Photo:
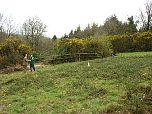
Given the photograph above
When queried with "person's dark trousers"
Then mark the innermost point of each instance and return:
(32, 67)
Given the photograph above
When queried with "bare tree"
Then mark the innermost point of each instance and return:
(32, 30)
(146, 17)
(7, 27)
(2, 22)
(10, 27)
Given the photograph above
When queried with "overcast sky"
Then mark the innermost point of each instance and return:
(61, 16)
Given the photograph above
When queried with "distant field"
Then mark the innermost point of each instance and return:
(120, 84)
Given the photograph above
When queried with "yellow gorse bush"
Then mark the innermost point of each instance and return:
(140, 41)
(12, 51)
(91, 45)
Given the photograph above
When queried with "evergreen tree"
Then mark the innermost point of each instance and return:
(131, 26)
(94, 29)
(112, 25)
(78, 32)
(71, 34)
(54, 37)
(87, 31)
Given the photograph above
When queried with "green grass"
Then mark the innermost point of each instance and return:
(75, 88)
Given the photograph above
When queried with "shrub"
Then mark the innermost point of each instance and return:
(12, 51)
(131, 43)
(98, 45)
(122, 43)
(142, 41)
(24, 49)
(91, 45)
(70, 46)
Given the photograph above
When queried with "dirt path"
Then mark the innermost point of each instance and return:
(37, 65)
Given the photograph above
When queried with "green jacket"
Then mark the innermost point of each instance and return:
(32, 60)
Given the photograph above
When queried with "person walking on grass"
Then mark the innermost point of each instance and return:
(24, 64)
(32, 62)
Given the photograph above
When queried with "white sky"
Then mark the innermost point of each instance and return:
(61, 16)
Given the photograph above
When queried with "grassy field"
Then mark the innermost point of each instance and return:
(120, 84)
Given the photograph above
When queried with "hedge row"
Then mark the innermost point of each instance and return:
(91, 45)
(131, 43)
(71, 50)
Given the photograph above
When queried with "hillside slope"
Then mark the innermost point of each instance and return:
(116, 84)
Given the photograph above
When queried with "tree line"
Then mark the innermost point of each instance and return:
(113, 26)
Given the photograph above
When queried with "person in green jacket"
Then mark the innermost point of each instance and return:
(32, 62)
